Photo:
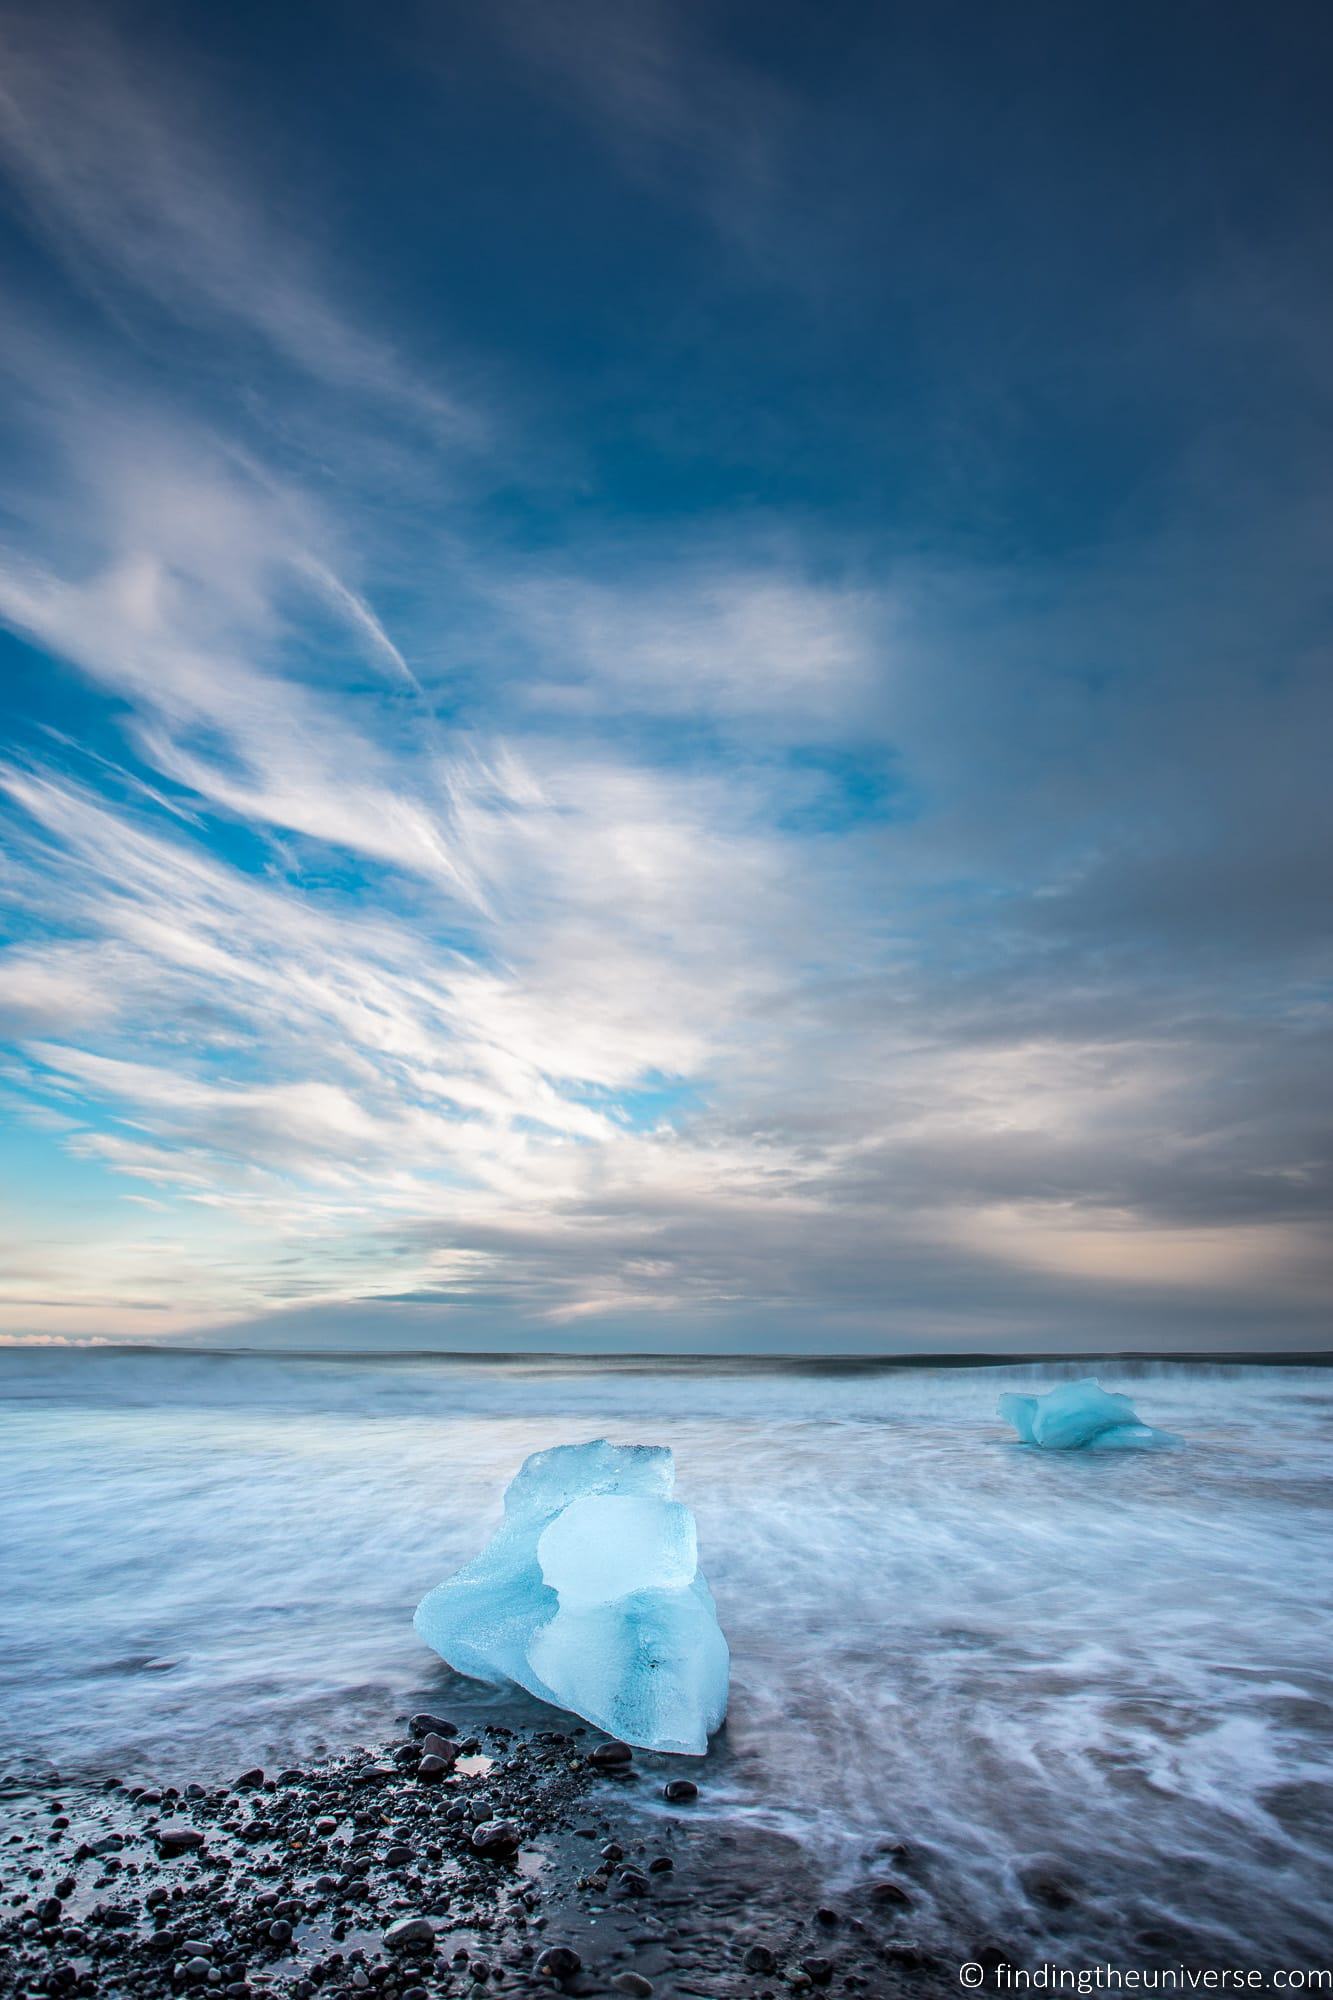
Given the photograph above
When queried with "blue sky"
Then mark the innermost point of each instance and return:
(665, 675)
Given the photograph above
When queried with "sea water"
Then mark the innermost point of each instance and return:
(1097, 1681)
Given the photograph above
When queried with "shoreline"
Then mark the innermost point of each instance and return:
(448, 1861)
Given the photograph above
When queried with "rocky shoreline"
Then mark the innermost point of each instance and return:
(505, 1861)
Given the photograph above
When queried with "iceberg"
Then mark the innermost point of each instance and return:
(1081, 1415)
(589, 1596)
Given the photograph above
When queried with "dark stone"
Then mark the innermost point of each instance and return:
(820, 1970)
(632, 1882)
(249, 1780)
(680, 1791)
(435, 1745)
(890, 1895)
(760, 1959)
(280, 1931)
(431, 1769)
(394, 1857)
(661, 1864)
(1052, 1891)
(824, 1915)
(633, 1983)
(496, 1837)
(175, 1837)
(610, 1756)
(409, 1931)
(559, 1961)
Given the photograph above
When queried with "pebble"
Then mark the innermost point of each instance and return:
(425, 1725)
(175, 1837)
(432, 1769)
(760, 1959)
(435, 1745)
(632, 1882)
(610, 1756)
(680, 1791)
(632, 1982)
(409, 1931)
(496, 1837)
(559, 1961)
(249, 1780)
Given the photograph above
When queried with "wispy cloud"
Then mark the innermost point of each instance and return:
(431, 918)
(128, 168)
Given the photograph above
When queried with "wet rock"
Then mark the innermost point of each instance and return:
(633, 1983)
(559, 1961)
(249, 1781)
(1051, 1890)
(424, 1725)
(175, 1837)
(611, 1756)
(409, 1931)
(679, 1791)
(888, 1895)
(632, 1882)
(280, 1931)
(496, 1837)
(431, 1769)
(759, 1958)
(435, 1745)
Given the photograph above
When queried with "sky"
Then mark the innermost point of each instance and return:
(665, 675)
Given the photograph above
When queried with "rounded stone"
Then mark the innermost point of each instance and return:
(409, 1931)
(496, 1837)
(559, 1961)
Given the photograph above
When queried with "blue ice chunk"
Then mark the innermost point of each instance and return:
(589, 1595)
(1080, 1415)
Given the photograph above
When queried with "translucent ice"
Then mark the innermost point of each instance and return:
(1080, 1414)
(589, 1596)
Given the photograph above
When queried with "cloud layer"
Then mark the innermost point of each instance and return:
(448, 910)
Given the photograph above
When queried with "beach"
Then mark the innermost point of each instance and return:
(988, 1704)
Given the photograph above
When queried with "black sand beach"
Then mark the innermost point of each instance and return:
(443, 1863)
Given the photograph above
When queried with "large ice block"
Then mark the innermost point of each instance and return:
(589, 1595)
(1080, 1415)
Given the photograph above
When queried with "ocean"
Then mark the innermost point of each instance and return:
(1090, 1695)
